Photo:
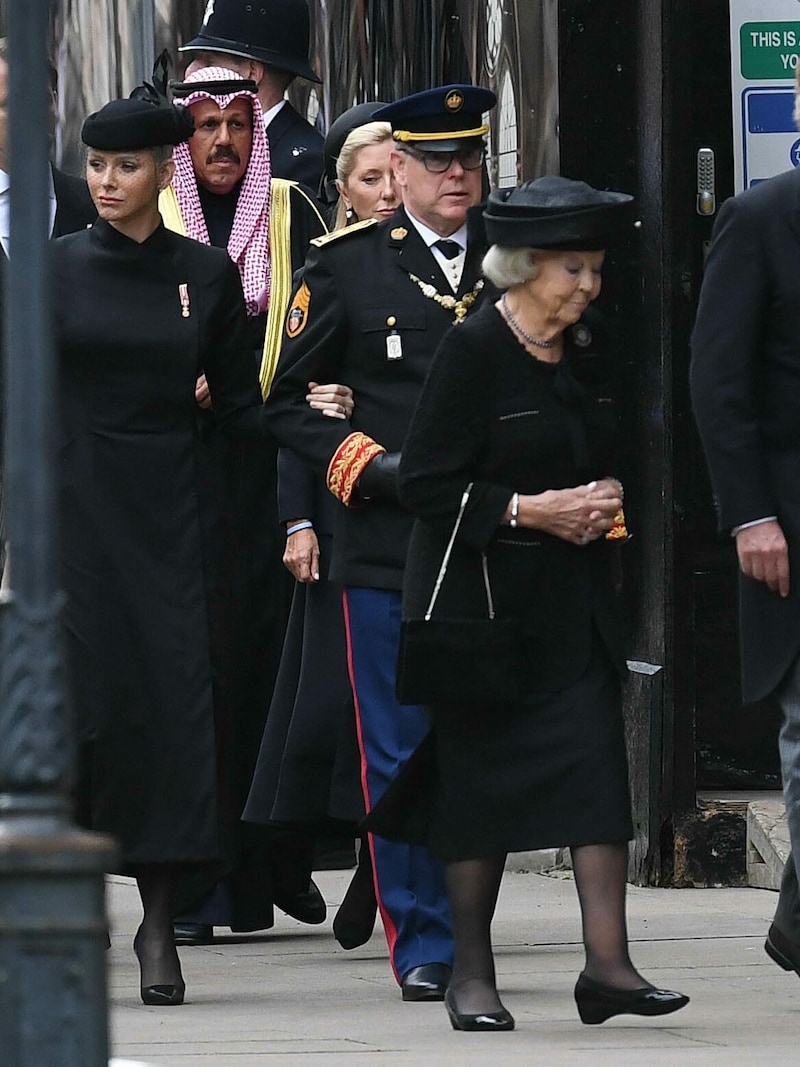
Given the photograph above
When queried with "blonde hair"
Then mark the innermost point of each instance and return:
(371, 133)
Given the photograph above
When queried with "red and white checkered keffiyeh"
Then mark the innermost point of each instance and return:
(248, 244)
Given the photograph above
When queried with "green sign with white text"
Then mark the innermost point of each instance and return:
(769, 49)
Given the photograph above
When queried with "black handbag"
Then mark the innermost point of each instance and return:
(460, 661)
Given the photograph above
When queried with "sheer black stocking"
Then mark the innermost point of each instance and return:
(472, 888)
(154, 944)
(601, 879)
(355, 916)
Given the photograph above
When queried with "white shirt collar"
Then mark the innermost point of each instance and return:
(272, 112)
(430, 236)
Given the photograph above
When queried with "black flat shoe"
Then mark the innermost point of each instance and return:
(307, 907)
(490, 1020)
(597, 1002)
(783, 951)
(426, 982)
(192, 933)
(351, 934)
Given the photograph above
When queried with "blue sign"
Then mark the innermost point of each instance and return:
(768, 132)
(770, 112)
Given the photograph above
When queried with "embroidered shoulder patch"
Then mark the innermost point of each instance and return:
(298, 313)
(345, 231)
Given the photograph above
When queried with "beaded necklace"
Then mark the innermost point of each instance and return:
(450, 303)
(512, 322)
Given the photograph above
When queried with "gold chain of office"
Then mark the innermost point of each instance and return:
(460, 305)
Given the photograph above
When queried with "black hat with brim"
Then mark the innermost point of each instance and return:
(442, 119)
(128, 125)
(276, 32)
(339, 131)
(556, 213)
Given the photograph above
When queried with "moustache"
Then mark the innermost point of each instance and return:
(223, 152)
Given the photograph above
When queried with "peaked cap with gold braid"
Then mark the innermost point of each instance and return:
(443, 119)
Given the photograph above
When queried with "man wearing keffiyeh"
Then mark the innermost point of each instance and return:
(223, 194)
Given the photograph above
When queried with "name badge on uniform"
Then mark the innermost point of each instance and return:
(394, 346)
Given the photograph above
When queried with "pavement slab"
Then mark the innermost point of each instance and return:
(292, 996)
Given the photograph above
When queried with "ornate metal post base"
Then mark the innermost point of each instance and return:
(52, 948)
(52, 915)
(53, 930)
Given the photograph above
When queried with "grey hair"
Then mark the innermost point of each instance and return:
(505, 267)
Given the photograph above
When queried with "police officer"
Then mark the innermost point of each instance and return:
(269, 43)
(374, 302)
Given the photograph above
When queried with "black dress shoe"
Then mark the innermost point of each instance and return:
(192, 933)
(597, 1002)
(160, 996)
(353, 934)
(429, 981)
(488, 1020)
(308, 907)
(163, 996)
(785, 952)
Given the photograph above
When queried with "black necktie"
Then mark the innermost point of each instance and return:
(449, 249)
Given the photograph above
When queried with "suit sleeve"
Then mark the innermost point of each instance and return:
(726, 351)
(446, 440)
(314, 346)
(296, 487)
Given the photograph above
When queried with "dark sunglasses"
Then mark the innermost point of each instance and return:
(439, 162)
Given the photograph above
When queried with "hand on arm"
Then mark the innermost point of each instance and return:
(202, 393)
(335, 401)
(764, 555)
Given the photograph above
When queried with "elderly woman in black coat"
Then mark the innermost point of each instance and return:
(517, 403)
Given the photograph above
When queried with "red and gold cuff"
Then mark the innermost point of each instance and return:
(348, 463)
(618, 531)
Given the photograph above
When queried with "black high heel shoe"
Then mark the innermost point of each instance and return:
(597, 1002)
(159, 995)
(490, 1020)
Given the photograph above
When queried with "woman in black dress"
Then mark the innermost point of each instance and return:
(517, 402)
(139, 313)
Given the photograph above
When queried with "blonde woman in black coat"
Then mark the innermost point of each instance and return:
(517, 403)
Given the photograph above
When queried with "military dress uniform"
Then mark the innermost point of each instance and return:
(361, 314)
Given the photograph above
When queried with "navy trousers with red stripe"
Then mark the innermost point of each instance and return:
(409, 883)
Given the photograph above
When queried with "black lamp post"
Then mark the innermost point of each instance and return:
(52, 914)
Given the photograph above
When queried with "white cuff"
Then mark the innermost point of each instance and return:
(753, 522)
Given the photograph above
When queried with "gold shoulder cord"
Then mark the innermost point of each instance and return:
(280, 248)
(170, 212)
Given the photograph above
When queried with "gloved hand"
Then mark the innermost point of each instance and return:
(378, 480)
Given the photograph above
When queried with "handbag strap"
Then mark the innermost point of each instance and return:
(446, 560)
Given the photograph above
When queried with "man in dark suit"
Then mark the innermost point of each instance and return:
(267, 42)
(374, 301)
(71, 207)
(745, 380)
